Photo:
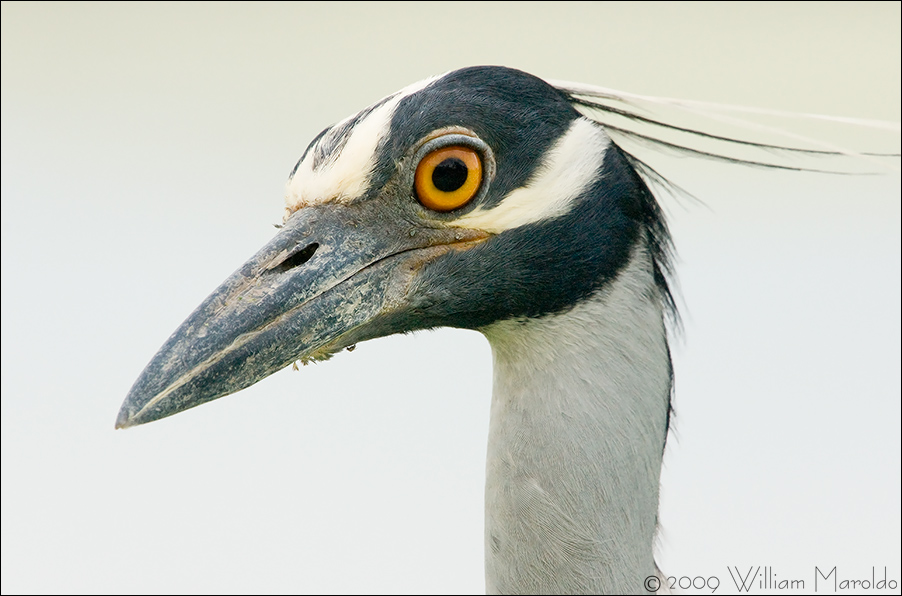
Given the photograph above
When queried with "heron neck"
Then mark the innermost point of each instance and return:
(578, 421)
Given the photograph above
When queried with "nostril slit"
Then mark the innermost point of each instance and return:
(299, 257)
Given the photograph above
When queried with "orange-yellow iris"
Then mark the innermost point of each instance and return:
(448, 178)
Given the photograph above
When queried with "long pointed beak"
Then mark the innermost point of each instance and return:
(331, 271)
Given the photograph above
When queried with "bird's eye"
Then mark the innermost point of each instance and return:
(448, 178)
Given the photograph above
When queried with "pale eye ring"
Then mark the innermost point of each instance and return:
(451, 171)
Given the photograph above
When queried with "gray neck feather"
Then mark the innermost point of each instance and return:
(578, 421)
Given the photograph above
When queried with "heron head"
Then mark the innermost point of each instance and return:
(474, 197)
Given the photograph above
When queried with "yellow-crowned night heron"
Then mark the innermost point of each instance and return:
(481, 199)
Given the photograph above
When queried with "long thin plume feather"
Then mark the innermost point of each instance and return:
(634, 117)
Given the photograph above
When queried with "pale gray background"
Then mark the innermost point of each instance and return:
(144, 152)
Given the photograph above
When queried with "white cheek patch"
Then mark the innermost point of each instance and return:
(570, 166)
(346, 175)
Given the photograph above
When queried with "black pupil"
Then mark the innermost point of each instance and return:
(449, 175)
